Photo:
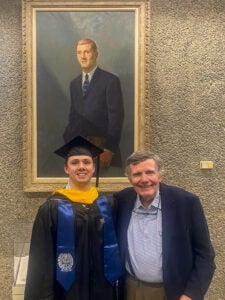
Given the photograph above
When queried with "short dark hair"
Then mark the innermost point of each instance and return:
(140, 156)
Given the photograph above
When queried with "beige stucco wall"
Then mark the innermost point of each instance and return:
(187, 117)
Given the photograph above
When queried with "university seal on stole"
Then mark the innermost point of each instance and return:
(65, 262)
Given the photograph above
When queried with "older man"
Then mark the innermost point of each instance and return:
(163, 236)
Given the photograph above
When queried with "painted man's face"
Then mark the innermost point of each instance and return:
(86, 57)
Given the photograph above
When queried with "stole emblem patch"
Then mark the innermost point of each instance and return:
(65, 262)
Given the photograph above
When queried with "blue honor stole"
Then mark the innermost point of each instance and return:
(65, 247)
(112, 265)
(65, 252)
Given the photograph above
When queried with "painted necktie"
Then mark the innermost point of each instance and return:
(86, 84)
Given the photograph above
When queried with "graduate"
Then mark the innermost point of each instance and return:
(73, 252)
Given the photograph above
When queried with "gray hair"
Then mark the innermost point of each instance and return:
(140, 156)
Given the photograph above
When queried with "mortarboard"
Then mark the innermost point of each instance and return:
(81, 146)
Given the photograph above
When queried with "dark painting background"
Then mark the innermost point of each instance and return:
(56, 37)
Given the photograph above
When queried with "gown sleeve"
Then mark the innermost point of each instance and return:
(41, 270)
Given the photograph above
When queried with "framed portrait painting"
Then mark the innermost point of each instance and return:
(51, 30)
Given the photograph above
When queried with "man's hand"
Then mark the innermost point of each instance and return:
(184, 297)
(105, 159)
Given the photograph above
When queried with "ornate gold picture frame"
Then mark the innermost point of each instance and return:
(50, 30)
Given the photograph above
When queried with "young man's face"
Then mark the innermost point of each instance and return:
(86, 57)
(80, 169)
(145, 179)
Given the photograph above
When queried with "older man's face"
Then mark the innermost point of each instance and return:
(145, 178)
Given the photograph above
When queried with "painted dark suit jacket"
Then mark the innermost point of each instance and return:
(187, 253)
(100, 112)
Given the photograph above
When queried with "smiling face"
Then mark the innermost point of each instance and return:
(145, 178)
(80, 169)
(87, 56)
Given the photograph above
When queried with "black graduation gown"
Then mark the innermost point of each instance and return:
(90, 282)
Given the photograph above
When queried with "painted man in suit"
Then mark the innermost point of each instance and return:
(96, 111)
(163, 236)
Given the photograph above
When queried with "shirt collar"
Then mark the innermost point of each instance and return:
(90, 74)
(156, 203)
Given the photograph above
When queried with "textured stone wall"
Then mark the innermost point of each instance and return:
(187, 118)
(188, 106)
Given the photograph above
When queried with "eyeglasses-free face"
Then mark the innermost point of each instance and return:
(80, 169)
(86, 57)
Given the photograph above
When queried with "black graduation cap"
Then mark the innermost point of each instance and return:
(80, 146)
